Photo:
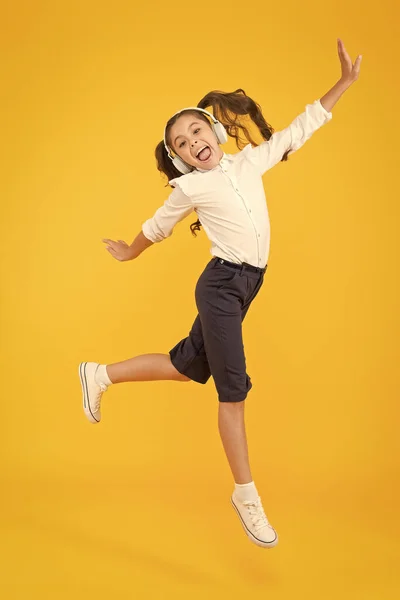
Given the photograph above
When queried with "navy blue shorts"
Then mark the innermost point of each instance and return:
(214, 345)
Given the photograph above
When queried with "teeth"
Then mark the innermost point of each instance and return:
(201, 150)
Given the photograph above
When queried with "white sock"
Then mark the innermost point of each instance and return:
(246, 491)
(101, 375)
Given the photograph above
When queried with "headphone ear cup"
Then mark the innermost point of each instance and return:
(181, 165)
(220, 132)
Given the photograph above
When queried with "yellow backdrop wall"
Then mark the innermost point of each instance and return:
(138, 507)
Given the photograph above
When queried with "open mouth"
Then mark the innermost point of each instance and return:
(204, 155)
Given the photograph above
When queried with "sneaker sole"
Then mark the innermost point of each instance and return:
(251, 536)
(85, 394)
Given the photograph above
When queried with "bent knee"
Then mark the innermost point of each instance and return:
(183, 378)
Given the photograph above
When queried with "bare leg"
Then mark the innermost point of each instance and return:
(146, 367)
(233, 435)
(153, 367)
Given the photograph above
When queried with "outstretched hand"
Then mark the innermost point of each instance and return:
(119, 250)
(350, 72)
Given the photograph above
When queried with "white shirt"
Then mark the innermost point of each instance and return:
(230, 198)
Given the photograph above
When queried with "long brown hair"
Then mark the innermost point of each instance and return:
(227, 108)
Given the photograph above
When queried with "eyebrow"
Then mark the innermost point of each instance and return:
(191, 125)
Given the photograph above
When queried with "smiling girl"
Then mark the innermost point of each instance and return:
(226, 191)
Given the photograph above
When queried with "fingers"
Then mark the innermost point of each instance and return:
(111, 245)
(345, 55)
(114, 248)
(356, 68)
(342, 51)
(114, 243)
(114, 253)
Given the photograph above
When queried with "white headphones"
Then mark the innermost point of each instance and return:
(217, 128)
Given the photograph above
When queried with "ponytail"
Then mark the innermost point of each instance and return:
(229, 107)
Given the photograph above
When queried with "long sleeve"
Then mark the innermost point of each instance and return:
(175, 209)
(270, 152)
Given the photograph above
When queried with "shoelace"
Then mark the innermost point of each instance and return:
(257, 513)
(103, 388)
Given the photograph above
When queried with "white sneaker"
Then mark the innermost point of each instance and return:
(254, 521)
(91, 390)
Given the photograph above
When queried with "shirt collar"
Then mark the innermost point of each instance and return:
(226, 158)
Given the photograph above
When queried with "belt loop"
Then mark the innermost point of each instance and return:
(242, 269)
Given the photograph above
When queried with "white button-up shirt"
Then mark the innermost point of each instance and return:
(230, 199)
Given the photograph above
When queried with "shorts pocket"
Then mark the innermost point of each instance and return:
(226, 276)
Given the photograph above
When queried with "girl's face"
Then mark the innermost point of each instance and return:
(189, 135)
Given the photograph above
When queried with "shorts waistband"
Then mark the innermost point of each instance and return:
(242, 266)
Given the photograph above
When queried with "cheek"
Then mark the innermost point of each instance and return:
(187, 153)
(211, 140)
(180, 151)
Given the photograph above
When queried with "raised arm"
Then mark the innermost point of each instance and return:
(270, 152)
(350, 74)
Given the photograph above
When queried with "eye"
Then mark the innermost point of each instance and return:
(196, 130)
(181, 144)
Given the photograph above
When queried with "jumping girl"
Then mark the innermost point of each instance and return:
(226, 192)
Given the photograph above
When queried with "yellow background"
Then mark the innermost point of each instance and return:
(138, 506)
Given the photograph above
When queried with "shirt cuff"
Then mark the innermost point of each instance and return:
(325, 112)
(146, 232)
